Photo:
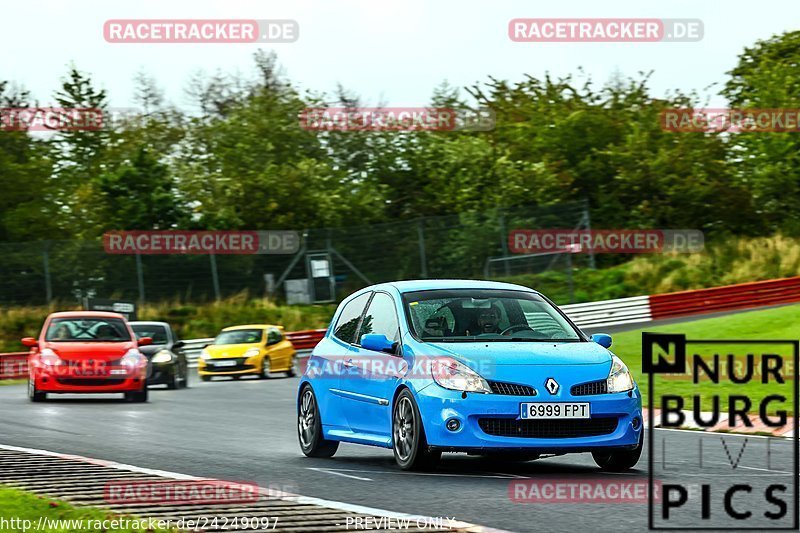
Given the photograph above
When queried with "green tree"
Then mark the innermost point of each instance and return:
(767, 76)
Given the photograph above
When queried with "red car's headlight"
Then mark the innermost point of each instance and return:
(133, 359)
(49, 358)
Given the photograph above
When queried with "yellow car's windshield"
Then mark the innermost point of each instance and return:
(240, 336)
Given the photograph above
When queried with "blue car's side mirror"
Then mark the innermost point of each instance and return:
(376, 342)
(602, 339)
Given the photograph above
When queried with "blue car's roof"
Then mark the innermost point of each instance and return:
(432, 284)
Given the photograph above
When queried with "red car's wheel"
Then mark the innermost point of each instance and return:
(33, 393)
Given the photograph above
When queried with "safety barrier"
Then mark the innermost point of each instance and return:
(592, 315)
(609, 312)
(728, 298)
(307, 339)
(14, 365)
(193, 347)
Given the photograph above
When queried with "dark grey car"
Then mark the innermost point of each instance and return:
(167, 362)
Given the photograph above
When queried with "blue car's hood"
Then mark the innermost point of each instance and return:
(522, 353)
(527, 362)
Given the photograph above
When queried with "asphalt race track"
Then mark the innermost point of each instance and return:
(245, 431)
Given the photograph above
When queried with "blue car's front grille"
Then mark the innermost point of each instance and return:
(548, 428)
(511, 389)
(588, 389)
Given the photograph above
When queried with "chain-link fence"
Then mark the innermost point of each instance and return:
(467, 245)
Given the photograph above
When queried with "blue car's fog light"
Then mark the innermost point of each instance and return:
(635, 422)
(453, 424)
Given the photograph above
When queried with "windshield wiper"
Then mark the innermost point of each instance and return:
(529, 339)
(451, 339)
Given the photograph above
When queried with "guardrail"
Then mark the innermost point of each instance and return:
(609, 312)
(592, 315)
(307, 339)
(728, 298)
(14, 365)
(192, 348)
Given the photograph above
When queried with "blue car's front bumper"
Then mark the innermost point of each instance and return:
(438, 405)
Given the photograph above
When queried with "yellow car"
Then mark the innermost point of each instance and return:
(255, 349)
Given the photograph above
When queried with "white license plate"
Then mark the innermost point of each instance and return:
(554, 410)
(224, 363)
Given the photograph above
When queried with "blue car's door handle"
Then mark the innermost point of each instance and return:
(349, 363)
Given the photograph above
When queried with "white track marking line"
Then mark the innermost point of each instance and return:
(441, 474)
(335, 473)
(331, 504)
(777, 438)
(756, 468)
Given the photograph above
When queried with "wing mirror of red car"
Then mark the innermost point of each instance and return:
(30, 342)
(145, 341)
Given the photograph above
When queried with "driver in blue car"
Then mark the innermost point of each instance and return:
(488, 320)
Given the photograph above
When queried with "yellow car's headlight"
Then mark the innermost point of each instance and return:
(252, 352)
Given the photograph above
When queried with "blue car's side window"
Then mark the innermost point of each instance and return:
(347, 325)
(381, 318)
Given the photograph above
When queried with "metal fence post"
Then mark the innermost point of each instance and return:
(48, 284)
(569, 279)
(423, 260)
(588, 224)
(140, 278)
(215, 276)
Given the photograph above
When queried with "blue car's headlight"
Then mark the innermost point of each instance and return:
(454, 375)
(619, 378)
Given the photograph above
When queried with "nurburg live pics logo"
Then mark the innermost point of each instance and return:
(734, 496)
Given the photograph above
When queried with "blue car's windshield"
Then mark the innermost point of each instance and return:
(485, 315)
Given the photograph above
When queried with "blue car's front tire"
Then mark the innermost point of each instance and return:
(621, 460)
(309, 427)
(411, 450)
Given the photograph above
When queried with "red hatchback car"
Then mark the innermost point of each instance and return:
(86, 352)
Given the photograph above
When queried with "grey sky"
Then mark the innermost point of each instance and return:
(385, 50)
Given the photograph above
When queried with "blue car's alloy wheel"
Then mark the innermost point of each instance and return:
(309, 427)
(411, 450)
(404, 429)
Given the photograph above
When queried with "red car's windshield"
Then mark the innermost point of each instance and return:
(87, 329)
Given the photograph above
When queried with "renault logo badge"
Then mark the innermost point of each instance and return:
(551, 385)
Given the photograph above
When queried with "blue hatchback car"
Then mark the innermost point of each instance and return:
(477, 367)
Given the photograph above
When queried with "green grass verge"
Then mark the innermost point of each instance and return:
(778, 323)
(17, 507)
(12, 381)
(724, 262)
